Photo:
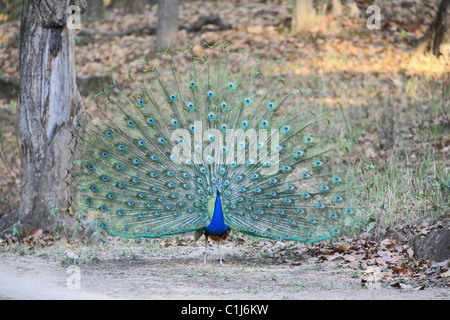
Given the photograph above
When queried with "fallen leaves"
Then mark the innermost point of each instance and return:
(387, 262)
(403, 286)
(445, 274)
(31, 239)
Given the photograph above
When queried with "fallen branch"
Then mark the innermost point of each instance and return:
(199, 23)
(150, 29)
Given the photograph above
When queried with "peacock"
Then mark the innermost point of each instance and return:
(200, 140)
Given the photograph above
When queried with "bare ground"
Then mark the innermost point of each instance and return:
(149, 271)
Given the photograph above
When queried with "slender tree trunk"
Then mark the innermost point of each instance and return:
(432, 39)
(50, 108)
(167, 32)
(337, 8)
(131, 6)
(95, 11)
(303, 15)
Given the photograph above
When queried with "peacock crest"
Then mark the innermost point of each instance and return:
(200, 139)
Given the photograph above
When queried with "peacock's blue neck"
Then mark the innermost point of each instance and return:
(217, 227)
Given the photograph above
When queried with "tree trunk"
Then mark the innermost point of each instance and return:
(432, 39)
(95, 11)
(131, 6)
(337, 8)
(167, 32)
(303, 16)
(136, 6)
(50, 108)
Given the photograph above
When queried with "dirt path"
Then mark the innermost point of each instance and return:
(148, 272)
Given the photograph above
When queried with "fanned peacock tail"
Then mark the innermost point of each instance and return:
(195, 122)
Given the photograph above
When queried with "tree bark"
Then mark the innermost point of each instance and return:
(167, 31)
(50, 108)
(432, 39)
(303, 15)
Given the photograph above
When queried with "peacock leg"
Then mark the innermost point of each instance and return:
(206, 249)
(220, 258)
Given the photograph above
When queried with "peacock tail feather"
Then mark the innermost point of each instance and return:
(195, 122)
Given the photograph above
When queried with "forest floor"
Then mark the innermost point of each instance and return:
(45, 268)
(394, 101)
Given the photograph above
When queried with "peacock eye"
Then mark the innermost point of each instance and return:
(271, 106)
